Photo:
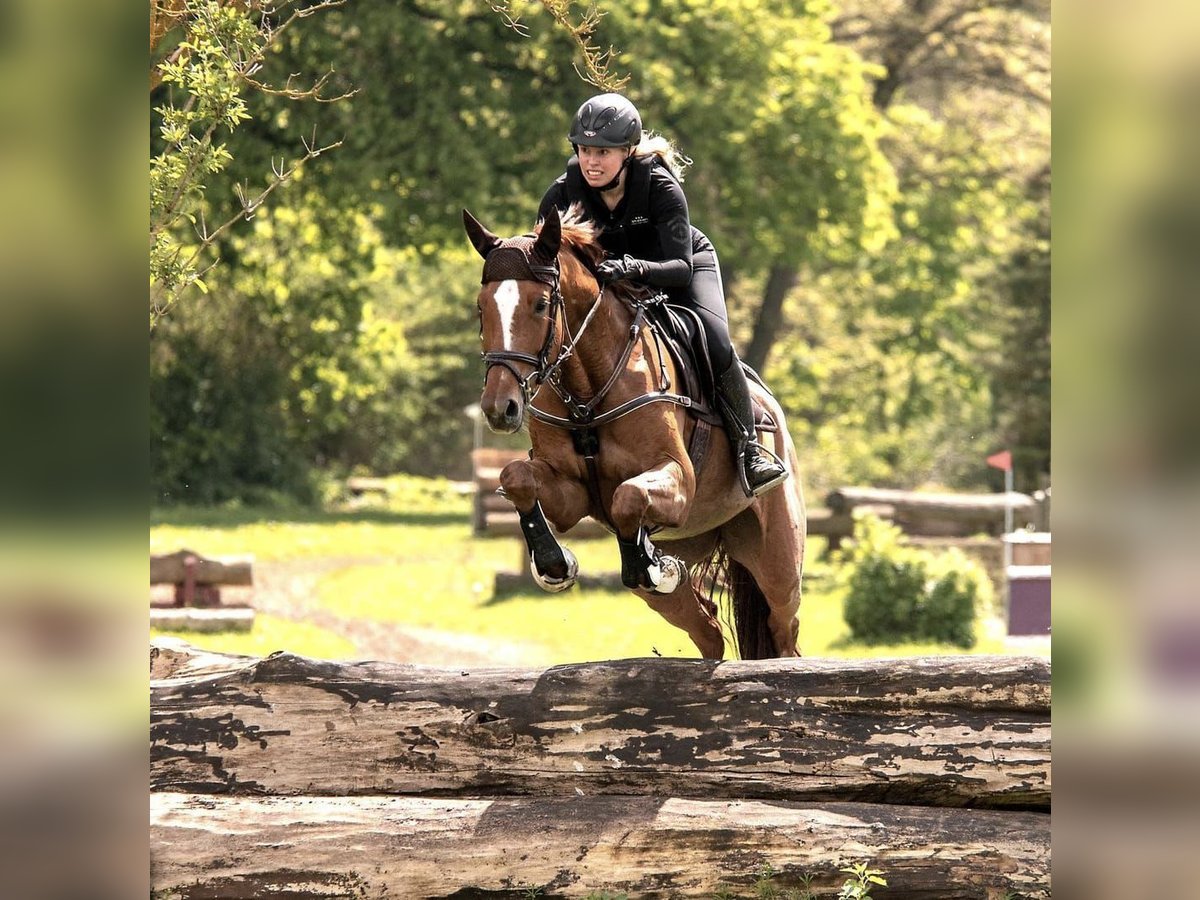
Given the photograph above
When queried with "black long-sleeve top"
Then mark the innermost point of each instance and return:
(651, 222)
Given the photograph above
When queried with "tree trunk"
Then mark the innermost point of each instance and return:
(942, 731)
(770, 315)
(244, 847)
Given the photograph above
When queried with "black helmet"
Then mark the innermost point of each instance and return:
(607, 120)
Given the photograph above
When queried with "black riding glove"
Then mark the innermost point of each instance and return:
(620, 269)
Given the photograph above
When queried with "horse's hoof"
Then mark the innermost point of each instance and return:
(666, 574)
(555, 585)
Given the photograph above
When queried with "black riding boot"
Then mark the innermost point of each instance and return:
(760, 469)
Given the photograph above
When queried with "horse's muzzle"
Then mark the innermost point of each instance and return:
(504, 410)
(504, 416)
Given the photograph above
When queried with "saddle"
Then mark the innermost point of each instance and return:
(682, 334)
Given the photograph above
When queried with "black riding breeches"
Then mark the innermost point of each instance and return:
(706, 295)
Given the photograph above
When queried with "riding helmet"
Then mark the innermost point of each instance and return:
(606, 120)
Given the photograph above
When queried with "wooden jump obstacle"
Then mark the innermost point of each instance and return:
(652, 777)
(196, 604)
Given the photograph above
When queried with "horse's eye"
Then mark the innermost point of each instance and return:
(542, 304)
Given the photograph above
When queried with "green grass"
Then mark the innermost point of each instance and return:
(415, 563)
(573, 626)
(269, 634)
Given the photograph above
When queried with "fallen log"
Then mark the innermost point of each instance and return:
(938, 514)
(966, 731)
(246, 847)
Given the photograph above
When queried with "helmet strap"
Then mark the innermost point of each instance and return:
(604, 188)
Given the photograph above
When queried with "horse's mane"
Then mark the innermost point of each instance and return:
(580, 233)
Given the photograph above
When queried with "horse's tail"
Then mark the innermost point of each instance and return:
(730, 585)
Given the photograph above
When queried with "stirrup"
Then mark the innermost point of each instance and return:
(761, 488)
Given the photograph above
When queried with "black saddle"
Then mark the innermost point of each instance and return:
(682, 333)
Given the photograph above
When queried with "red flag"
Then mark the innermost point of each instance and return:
(1001, 460)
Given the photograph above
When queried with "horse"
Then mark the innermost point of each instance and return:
(581, 366)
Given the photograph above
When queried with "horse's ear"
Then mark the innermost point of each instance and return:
(485, 242)
(550, 237)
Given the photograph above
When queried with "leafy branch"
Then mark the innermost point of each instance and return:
(222, 48)
(595, 61)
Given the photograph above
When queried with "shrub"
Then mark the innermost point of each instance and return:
(896, 592)
(956, 588)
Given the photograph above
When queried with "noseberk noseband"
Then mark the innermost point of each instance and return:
(512, 262)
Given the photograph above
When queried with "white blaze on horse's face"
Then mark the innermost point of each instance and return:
(512, 320)
(508, 298)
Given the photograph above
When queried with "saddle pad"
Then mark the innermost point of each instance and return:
(683, 334)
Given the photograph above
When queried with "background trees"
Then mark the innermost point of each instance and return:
(880, 207)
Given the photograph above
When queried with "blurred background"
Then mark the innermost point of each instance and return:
(875, 176)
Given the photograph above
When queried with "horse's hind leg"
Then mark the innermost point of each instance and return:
(771, 549)
(687, 609)
(539, 493)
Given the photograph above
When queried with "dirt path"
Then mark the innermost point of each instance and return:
(289, 590)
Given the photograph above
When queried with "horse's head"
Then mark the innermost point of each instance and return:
(517, 307)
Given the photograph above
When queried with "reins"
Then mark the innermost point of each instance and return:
(583, 415)
(582, 420)
(580, 415)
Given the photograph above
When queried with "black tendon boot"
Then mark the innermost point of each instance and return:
(761, 470)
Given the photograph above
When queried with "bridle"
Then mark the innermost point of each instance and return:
(581, 415)
(548, 275)
(582, 420)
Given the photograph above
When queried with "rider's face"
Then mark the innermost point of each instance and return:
(601, 164)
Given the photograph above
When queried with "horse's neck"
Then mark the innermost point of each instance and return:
(602, 348)
(602, 344)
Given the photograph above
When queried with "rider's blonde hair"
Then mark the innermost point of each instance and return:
(653, 144)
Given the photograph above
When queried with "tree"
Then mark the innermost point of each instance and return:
(317, 346)
(779, 121)
(216, 58)
(929, 47)
(219, 50)
(1021, 376)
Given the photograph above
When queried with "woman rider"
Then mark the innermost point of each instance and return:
(629, 186)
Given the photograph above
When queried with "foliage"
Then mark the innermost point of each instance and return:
(886, 376)
(902, 353)
(897, 592)
(207, 75)
(858, 885)
(267, 381)
(777, 118)
(1021, 377)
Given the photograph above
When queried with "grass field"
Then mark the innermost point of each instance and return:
(415, 564)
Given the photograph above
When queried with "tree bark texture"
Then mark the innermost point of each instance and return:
(249, 847)
(770, 315)
(955, 732)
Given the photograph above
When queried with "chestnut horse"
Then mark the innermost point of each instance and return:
(580, 365)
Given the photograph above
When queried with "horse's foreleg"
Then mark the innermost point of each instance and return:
(659, 496)
(538, 491)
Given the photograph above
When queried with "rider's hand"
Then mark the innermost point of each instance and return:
(619, 269)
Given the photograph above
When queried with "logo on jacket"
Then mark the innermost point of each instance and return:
(639, 220)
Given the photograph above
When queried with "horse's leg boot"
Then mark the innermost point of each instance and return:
(554, 567)
(644, 566)
(759, 469)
